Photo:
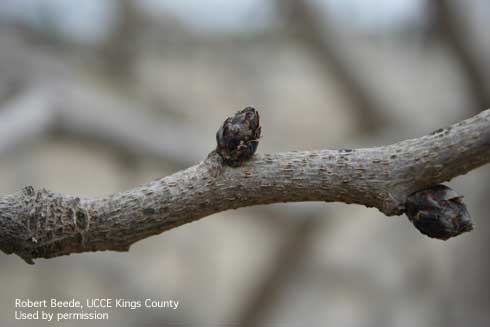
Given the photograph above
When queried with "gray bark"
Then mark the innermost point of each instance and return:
(43, 224)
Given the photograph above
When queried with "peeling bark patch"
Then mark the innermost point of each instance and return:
(81, 219)
(149, 211)
(28, 191)
(32, 223)
(59, 231)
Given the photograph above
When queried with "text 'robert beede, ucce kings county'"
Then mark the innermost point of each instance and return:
(97, 303)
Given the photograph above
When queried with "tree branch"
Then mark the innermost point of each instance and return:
(44, 224)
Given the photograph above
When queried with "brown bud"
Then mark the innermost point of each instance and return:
(438, 212)
(238, 137)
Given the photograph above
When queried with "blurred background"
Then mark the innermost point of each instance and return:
(100, 96)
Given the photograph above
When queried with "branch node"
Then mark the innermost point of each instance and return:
(438, 212)
(238, 137)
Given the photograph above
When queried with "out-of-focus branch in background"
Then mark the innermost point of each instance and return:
(451, 27)
(304, 23)
(288, 259)
(118, 51)
(63, 109)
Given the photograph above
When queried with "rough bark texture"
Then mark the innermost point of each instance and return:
(43, 224)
